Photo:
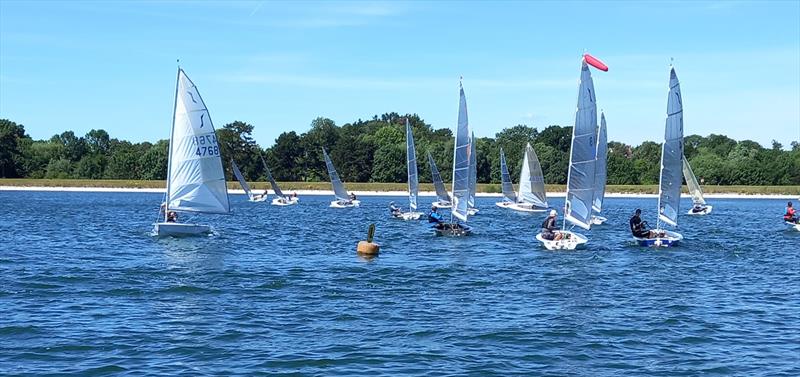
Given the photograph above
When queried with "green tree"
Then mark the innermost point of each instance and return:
(11, 162)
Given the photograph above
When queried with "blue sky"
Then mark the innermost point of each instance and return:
(82, 65)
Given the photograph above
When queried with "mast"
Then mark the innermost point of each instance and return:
(169, 147)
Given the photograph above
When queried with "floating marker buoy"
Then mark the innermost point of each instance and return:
(367, 247)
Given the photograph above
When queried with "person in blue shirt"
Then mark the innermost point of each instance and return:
(434, 216)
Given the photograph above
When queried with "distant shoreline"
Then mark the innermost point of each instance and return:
(555, 194)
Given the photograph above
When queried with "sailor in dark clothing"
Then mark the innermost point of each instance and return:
(434, 217)
(395, 210)
(639, 227)
(697, 208)
(549, 227)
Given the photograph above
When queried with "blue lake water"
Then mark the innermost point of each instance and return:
(85, 290)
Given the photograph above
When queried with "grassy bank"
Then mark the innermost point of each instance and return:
(488, 188)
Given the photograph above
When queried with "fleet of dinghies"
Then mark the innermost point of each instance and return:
(196, 180)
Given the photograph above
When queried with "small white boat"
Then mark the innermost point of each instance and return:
(532, 196)
(796, 226)
(600, 172)
(570, 241)
(195, 179)
(443, 198)
(239, 177)
(284, 201)
(598, 220)
(413, 178)
(669, 197)
(343, 199)
(281, 199)
(699, 206)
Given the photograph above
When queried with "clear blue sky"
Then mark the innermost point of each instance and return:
(82, 65)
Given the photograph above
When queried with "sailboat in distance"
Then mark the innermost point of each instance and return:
(600, 172)
(699, 206)
(532, 196)
(443, 198)
(413, 177)
(281, 199)
(343, 199)
(195, 179)
(245, 186)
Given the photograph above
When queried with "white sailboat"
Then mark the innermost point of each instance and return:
(473, 177)
(669, 195)
(195, 179)
(343, 200)
(280, 198)
(413, 177)
(600, 172)
(443, 198)
(532, 196)
(580, 179)
(462, 154)
(239, 177)
(699, 206)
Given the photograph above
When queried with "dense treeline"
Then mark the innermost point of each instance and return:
(374, 151)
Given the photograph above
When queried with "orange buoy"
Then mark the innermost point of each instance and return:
(368, 247)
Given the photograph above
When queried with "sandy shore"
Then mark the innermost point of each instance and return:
(384, 193)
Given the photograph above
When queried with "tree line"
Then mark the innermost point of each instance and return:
(374, 151)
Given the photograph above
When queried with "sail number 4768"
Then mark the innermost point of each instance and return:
(206, 145)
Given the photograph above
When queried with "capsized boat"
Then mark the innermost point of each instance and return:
(699, 206)
(669, 195)
(462, 154)
(413, 177)
(473, 177)
(443, 198)
(245, 186)
(195, 179)
(280, 199)
(600, 172)
(343, 199)
(580, 178)
(532, 196)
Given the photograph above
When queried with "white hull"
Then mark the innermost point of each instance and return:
(598, 220)
(409, 216)
(521, 207)
(705, 211)
(261, 199)
(348, 204)
(795, 226)
(670, 238)
(284, 203)
(180, 229)
(472, 211)
(442, 204)
(571, 241)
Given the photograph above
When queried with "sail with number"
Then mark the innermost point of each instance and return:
(240, 178)
(531, 180)
(275, 188)
(338, 186)
(473, 172)
(438, 184)
(462, 154)
(669, 196)
(601, 168)
(505, 179)
(413, 177)
(691, 182)
(580, 179)
(195, 179)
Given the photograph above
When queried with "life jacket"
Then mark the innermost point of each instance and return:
(789, 213)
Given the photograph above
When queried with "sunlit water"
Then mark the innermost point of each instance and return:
(84, 289)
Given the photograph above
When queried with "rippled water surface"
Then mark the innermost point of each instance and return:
(84, 289)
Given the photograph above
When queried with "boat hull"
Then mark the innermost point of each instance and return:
(409, 216)
(793, 225)
(452, 230)
(572, 241)
(284, 203)
(350, 204)
(598, 220)
(180, 229)
(261, 199)
(472, 211)
(705, 211)
(439, 204)
(520, 207)
(669, 239)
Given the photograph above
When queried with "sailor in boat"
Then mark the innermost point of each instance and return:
(259, 196)
(550, 229)
(172, 216)
(639, 227)
(697, 208)
(352, 196)
(434, 216)
(790, 215)
(395, 210)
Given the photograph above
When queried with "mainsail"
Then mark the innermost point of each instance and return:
(600, 169)
(338, 187)
(505, 178)
(691, 182)
(241, 180)
(195, 179)
(580, 180)
(531, 180)
(438, 184)
(669, 196)
(411, 160)
(462, 154)
(473, 172)
(272, 182)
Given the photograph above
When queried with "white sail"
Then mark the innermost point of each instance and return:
(473, 172)
(600, 170)
(669, 196)
(438, 184)
(195, 179)
(462, 154)
(505, 179)
(338, 186)
(580, 180)
(691, 182)
(531, 180)
(411, 160)
(241, 180)
(272, 182)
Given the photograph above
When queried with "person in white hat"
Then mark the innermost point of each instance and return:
(549, 227)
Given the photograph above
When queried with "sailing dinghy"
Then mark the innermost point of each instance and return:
(281, 199)
(582, 159)
(600, 172)
(245, 186)
(444, 200)
(669, 195)
(462, 154)
(413, 177)
(532, 196)
(343, 200)
(473, 178)
(699, 206)
(195, 179)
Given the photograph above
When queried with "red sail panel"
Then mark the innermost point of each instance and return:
(594, 62)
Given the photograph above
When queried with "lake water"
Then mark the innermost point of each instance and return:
(85, 290)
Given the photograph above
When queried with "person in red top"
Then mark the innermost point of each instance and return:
(789, 216)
